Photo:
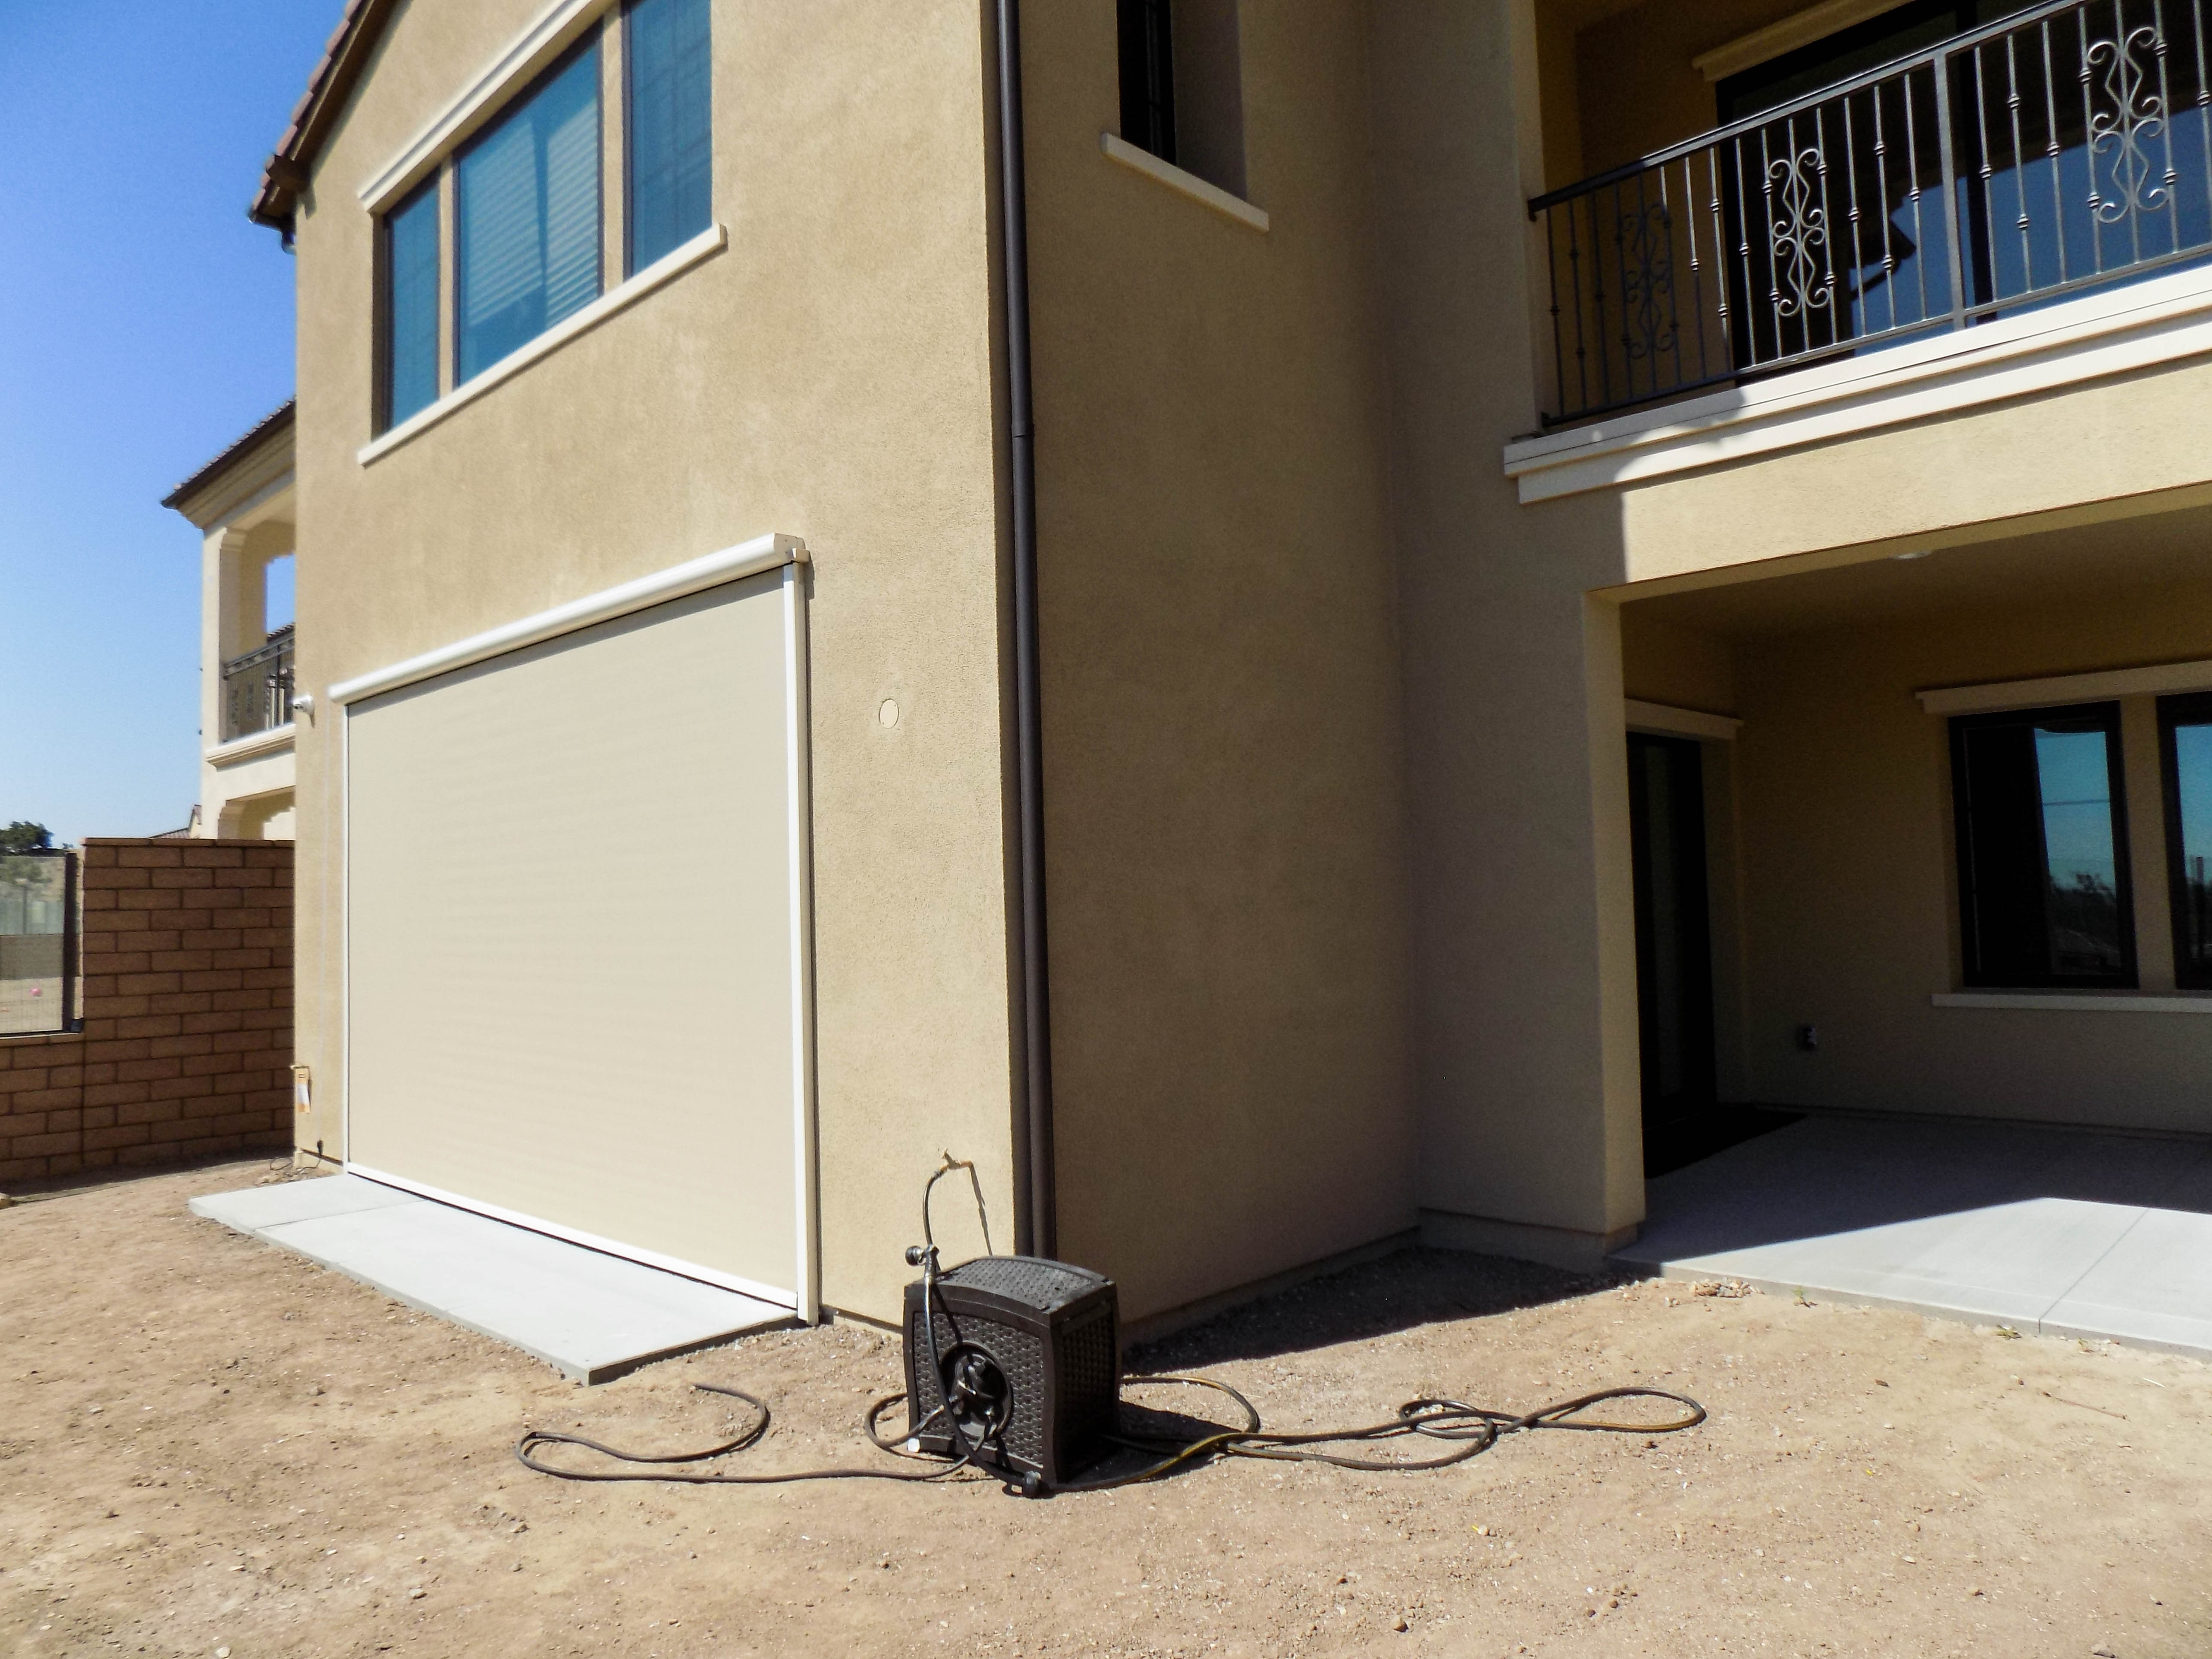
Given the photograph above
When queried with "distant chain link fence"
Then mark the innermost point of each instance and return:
(38, 941)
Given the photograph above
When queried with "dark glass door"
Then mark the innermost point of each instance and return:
(1674, 942)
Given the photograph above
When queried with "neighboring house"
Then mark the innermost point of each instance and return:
(1187, 662)
(245, 508)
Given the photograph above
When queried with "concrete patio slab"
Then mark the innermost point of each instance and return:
(2148, 1289)
(591, 1316)
(2060, 1230)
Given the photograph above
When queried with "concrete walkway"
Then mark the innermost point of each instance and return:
(589, 1315)
(2060, 1231)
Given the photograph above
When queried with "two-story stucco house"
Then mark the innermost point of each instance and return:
(242, 504)
(1292, 623)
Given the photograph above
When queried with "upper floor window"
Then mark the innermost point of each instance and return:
(410, 324)
(2043, 875)
(522, 201)
(668, 186)
(1182, 85)
(526, 217)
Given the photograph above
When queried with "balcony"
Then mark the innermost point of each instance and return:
(2065, 147)
(257, 688)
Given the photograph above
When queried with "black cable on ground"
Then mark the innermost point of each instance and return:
(978, 1420)
(534, 1439)
(1470, 1430)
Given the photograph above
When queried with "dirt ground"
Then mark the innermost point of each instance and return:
(208, 1446)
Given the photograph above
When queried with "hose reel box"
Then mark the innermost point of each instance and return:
(1028, 1351)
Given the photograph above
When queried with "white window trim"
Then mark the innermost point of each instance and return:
(1668, 721)
(1117, 148)
(707, 243)
(1799, 29)
(556, 28)
(2138, 325)
(2116, 1002)
(769, 552)
(2157, 680)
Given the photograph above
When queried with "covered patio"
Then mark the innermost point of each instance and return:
(2055, 1231)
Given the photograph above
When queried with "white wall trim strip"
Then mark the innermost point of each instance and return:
(797, 741)
(2140, 325)
(2117, 1002)
(1120, 149)
(556, 27)
(707, 243)
(1669, 721)
(575, 1236)
(2154, 681)
(252, 743)
(750, 558)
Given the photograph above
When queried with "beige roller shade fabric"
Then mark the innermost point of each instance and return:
(569, 906)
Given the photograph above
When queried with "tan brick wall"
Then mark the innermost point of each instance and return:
(186, 1047)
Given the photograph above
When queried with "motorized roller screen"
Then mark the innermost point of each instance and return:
(569, 906)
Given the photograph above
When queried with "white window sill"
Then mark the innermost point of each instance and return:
(707, 243)
(252, 743)
(2118, 330)
(1188, 184)
(1668, 721)
(2154, 679)
(2102, 1002)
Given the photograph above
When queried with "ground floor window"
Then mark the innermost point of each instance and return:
(2043, 874)
(2185, 726)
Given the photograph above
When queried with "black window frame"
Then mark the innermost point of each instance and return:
(1145, 34)
(1974, 975)
(2187, 708)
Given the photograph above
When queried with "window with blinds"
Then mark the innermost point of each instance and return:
(526, 217)
(670, 152)
(410, 307)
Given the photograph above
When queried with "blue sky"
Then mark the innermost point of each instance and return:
(144, 325)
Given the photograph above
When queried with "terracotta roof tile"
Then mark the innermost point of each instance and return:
(286, 175)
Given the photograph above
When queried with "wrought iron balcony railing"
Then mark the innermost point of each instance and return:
(2066, 146)
(257, 688)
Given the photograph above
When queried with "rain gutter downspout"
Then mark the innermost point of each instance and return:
(1042, 1230)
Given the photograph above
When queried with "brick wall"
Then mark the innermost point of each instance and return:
(186, 1048)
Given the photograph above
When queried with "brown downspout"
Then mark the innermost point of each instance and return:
(1042, 1233)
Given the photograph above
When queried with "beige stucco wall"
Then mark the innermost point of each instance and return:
(1683, 667)
(830, 376)
(1844, 795)
(1224, 781)
(1524, 974)
(2097, 450)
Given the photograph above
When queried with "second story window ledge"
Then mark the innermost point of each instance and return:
(704, 245)
(2046, 152)
(538, 208)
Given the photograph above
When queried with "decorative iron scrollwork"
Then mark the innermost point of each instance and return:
(1799, 240)
(2136, 117)
(1647, 281)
